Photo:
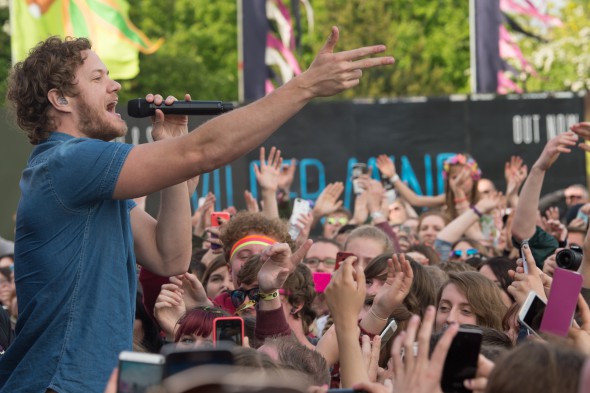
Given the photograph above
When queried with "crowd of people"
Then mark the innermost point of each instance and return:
(315, 291)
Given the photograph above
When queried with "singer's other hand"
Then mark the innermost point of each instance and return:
(332, 72)
(167, 126)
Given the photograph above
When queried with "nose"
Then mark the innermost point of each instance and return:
(321, 268)
(452, 316)
(115, 86)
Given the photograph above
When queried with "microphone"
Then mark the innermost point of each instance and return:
(141, 108)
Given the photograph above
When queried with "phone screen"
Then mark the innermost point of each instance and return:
(138, 377)
(461, 361)
(388, 332)
(230, 329)
(534, 314)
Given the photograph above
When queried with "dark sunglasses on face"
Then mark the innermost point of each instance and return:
(316, 261)
(239, 295)
(469, 253)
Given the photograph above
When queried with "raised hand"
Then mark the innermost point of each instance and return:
(167, 126)
(562, 143)
(421, 373)
(489, 202)
(396, 287)
(278, 263)
(332, 72)
(328, 201)
(525, 282)
(583, 131)
(194, 294)
(386, 166)
(169, 307)
(287, 174)
(251, 202)
(515, 173)
(267, 174)
(202, 215)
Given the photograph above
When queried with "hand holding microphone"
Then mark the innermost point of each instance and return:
(142, 108)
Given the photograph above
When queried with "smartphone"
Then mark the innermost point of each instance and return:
(524, 264)
(358, 169)
(215, 216)
(388, 332)
(562, 301)
(139, 371)
(179, 359)
(531, 312)
(228, 329)
(321, 281)
(340, 257)
(301, 207)
(461, 361)
(582, 216)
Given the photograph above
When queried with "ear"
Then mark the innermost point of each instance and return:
(58, 101)
(295, 309)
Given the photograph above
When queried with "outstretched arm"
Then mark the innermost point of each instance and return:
(523, 226)
(154, 166)
(387, 167)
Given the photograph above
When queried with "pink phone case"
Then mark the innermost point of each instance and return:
(562, 301)
(321, 281)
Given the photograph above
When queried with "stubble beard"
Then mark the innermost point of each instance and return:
(95, 126)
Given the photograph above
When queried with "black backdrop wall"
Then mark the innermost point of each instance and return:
(328, 137)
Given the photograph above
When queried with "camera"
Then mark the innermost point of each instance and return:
(570, 258)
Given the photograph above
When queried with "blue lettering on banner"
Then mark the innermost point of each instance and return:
(406, 171)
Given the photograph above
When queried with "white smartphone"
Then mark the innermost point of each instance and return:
(531, 312)
(139, 371)
(301, 207)
(388, 332)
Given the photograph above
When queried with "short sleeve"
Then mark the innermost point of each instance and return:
(86, 170)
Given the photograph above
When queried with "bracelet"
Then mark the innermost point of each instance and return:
(377, 316)
(479, 214)
(268, 296)
(394, 178)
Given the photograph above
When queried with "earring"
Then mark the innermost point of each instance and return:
(293, 311)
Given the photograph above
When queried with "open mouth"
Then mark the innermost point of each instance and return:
(111, 108)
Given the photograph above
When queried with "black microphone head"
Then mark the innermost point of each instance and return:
(139, 107)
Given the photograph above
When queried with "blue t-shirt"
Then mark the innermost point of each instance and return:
(74, 269)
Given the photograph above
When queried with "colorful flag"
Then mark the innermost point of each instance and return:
(105, 22)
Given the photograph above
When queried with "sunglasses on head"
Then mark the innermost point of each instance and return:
(316, 261)
(469, 252)
(238, 296)
(334, 220)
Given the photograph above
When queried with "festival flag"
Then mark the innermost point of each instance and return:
(264, 47)
(105, 22)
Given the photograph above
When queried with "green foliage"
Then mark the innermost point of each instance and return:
(199, 55)
(428, 38)
(5, 57)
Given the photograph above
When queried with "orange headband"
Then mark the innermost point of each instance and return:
(248, 240)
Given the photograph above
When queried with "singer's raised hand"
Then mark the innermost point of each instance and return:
(332, 72)
(167, 126)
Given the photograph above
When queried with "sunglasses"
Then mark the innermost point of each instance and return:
(239, 295)
(469, 252)
(316, 261)
(334, 220)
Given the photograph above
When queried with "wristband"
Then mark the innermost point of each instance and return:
(394, 178)
(479, 214)
(377, 316)
(377, 214)
(268, 296)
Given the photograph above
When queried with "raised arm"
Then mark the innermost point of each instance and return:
(154, 166)
(267, 175)
(523, 225)
(387, 168)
